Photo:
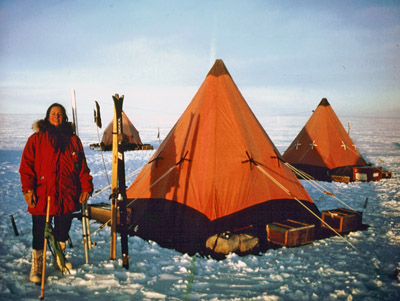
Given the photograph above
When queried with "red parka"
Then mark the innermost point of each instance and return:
(53, 164)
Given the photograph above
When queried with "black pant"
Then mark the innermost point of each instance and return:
(61, 227)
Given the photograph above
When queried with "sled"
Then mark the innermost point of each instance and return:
(128, 147)
(340, 179)
(102, 213)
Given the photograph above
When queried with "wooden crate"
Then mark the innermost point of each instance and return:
(342, 220)
(387, 174)
(367, 173)
(290, 233)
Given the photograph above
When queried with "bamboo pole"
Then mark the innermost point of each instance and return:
(44, 251)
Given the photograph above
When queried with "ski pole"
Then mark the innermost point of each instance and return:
(85, 231)
(44, 251)
(84, 211)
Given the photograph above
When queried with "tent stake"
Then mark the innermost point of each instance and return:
(14, 225)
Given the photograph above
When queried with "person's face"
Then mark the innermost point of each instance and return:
(56, 116)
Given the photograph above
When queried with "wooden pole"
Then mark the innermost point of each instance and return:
(44, 251)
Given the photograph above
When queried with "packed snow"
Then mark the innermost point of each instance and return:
(328, 269)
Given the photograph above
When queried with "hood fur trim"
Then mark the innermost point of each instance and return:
(43, 126)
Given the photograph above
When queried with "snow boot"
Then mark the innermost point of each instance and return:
(57, 262)
(35, 275)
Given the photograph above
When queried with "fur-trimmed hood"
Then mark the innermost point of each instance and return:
(43, 125)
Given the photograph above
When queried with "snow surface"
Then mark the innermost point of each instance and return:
(328, 269)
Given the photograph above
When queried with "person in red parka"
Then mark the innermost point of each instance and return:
(53, 165)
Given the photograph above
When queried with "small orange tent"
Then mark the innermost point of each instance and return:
(323, 148)
(131, 135)
(208, 175)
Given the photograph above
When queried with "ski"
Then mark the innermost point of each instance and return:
(114, 188)
(87, 245)
(118, 196)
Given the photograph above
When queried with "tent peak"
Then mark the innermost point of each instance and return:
(218, 69)
(324, 102)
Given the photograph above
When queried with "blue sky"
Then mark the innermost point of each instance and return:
(283, 55)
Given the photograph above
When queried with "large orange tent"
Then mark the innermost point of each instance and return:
(323, 148)
(217, 170)
(131, 135)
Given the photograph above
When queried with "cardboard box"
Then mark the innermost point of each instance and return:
(290, 233)
(342, 220)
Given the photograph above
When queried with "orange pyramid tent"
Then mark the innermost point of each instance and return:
(209, 174)
(131, 135)
(323, 148)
